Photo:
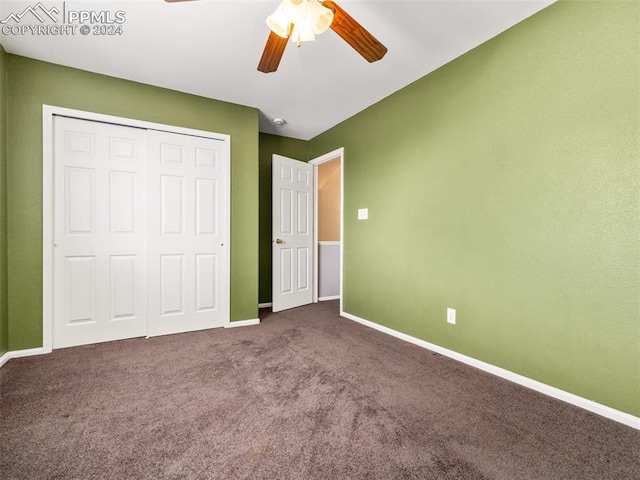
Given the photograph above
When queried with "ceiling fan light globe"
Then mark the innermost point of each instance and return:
(302, 32)
(321, 17)
(278, 23)
(295, 10)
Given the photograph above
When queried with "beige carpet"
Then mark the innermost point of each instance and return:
(304, 395)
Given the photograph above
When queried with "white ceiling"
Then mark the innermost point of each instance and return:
(211, 48)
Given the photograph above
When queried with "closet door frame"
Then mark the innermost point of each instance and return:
(48, 114)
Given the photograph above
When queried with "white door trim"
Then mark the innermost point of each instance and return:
(327, 157)
(48, 112)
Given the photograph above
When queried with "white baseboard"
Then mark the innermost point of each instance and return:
(22, 353)
(594, 407)
(325, 299)
(265, 305)
(243, 323)
(4, 359)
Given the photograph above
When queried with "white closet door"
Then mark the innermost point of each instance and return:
(188, 233)
(100, 229)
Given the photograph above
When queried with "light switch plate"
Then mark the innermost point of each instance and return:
(363, 214)
(451, 316)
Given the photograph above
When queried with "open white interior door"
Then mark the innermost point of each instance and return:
(292, 233)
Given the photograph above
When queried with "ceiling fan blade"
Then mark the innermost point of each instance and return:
(172, 1)
(355, 34)
(272, 54)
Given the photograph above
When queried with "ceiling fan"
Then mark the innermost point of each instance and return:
(301, 20)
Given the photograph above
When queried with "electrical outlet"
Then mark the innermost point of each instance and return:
(451, 316)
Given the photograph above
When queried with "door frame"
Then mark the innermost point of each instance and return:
(327, 157)
(48, 112)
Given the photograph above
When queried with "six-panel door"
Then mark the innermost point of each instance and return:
(188, 273)
(140, 229)
(99, 232)
(292, 252)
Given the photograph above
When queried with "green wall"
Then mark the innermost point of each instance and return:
(506, 185)
(33, 83)
(4, 318)
(288, 147)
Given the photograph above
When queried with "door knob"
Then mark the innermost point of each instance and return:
(279, 241)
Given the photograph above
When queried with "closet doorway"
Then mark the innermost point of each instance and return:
(136, 229)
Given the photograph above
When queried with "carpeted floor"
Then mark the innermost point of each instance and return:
(304, 395)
